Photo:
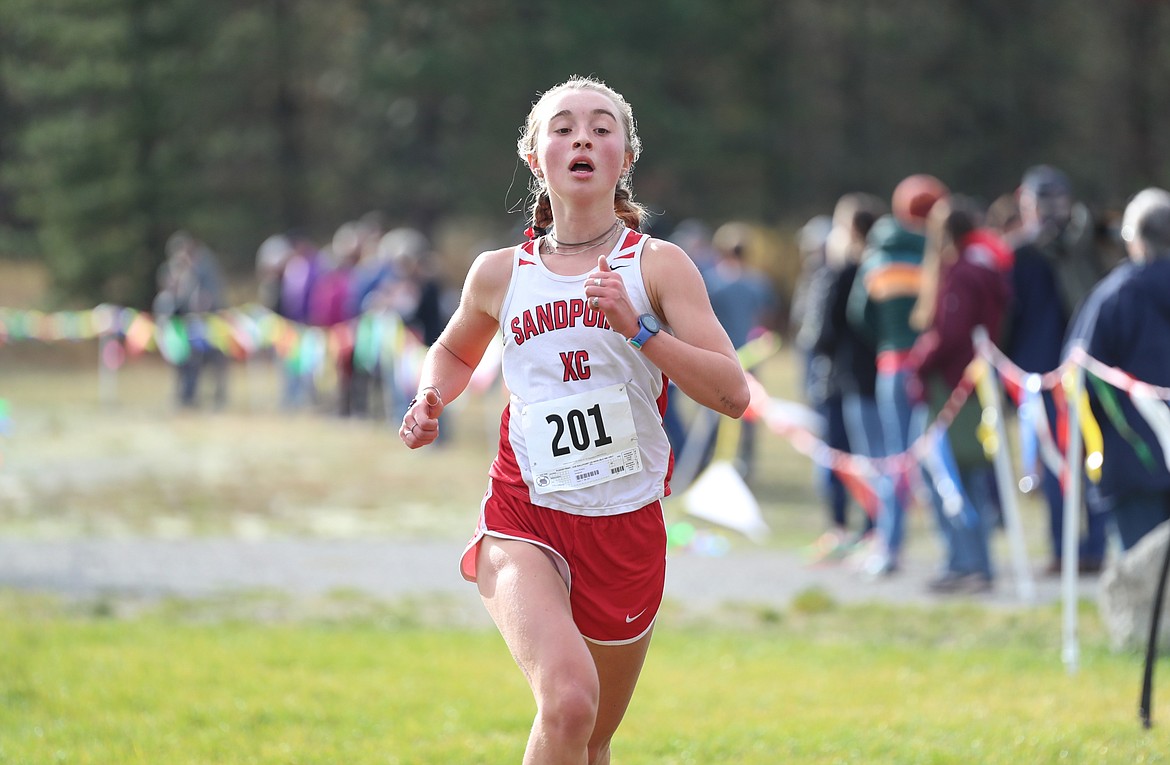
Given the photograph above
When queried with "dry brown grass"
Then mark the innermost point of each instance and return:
(23, 284)
(76, 464)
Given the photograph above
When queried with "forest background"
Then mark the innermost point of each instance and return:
(122, 121)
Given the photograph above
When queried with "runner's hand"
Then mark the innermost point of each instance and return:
(606, 292)
(420, 424)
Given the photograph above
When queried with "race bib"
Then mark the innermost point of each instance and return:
(581, 440)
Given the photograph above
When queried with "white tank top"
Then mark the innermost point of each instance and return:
(583, 425)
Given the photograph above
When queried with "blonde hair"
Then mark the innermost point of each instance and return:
(853, 217)
(631, 213)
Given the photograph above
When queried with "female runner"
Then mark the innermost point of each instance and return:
(570, 551)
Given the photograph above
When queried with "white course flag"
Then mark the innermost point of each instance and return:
(720, 495)
(1157, 416)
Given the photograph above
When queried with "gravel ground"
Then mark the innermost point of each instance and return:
(394, 571)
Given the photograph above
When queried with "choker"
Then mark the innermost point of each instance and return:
(558, 247)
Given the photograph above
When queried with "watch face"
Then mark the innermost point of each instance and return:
(650, 322)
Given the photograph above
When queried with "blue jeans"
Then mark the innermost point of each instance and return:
(864, 428)
(900, 427)
(863, 424)
(966, 536)
(202, 358)
(298, 390)
(1137, 513)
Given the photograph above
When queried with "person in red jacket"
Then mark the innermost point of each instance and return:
(970, 288)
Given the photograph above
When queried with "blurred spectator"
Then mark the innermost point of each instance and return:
(820, 392)
(694, 237)
(806, 314)
(742, 296)
(370, 270)
(191, 286)
(1003, 218)
(810, 240)
(329, 302)
(1064, 230)
(882, 299)
(848, 359)
(330, 307)
(368, 275)
(1055, 267)
(972, 290)
(301, 271)
(1125, 323)
(745, 303)
(413, 291)
(271, 258)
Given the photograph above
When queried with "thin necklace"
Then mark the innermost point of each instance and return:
(572, 248)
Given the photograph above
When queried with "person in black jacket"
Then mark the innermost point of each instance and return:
(1055, 266)
(848, 362)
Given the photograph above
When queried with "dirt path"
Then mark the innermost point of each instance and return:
(396, 571)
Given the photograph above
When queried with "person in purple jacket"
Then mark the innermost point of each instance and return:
(301, 270)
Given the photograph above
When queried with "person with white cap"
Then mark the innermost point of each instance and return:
(1125, 323)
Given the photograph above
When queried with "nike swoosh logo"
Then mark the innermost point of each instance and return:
(614, 268)
(635, 616)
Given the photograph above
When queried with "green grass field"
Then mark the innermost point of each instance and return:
(357, 681)
(859, 685)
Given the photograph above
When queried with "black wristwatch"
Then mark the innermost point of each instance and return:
(648, 327)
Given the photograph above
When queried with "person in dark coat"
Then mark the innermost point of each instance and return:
(849, 365)
(1056, 264)
(1125, 323)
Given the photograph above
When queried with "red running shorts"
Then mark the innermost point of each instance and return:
(613, 565)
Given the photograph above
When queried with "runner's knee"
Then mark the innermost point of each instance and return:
(568, 708)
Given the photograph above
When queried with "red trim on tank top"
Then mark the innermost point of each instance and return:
(505, 467)
(632, 238)
(662, 399)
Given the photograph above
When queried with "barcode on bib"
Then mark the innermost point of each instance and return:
(617, 469)
(587, 475)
